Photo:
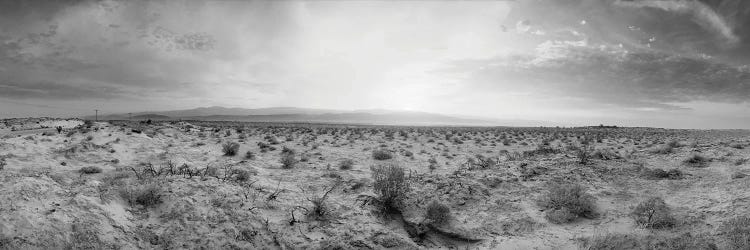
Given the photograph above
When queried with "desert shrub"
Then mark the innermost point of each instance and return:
(741, 161)
(408, 153)
(437, 213)
(617, 241)
(737, 145)
(566, 202)
(286, 150)
(737, 233)
(540, 150)
(230, 148)
(250, 155)
(605, 155)
(483, 162)
(673, 143)
(433, 164)
(240, 175)
(288, 161)
(85, 236)
(320, 210)
(582, 155)
(90, 170)
(211, 171)
(346, 164)
(390, 183)
(381, 154)
(662, 149)
(147, 195)
(88, 123)
(653, 213)
(2, 163)
(658, 173)
(738, 175)
(696, 160)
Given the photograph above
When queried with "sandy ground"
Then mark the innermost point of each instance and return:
(46, 203)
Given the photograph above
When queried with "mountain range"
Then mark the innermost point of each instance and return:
(293, 114)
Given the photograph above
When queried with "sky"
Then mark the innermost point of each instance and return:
(664, 63)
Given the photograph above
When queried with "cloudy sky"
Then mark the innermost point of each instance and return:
(680, 63)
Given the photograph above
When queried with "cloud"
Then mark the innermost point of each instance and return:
(704, 14)
(609, 75)
(57, 91)
(676, 26)
(139, 49)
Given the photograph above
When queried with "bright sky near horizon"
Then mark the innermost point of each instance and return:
(665, 63)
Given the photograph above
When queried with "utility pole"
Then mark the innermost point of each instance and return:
(96, 115)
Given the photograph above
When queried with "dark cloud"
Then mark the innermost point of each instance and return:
(612, 76)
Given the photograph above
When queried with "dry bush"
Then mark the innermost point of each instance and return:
(738, 175)
(346, 164)
(658, 174)
(653, 213)
(381, 154)
(483, 162)
(230, 148)
(85, 236)
(437, 213)
(320, 209)
(250, 155)
(618, 241)
(696, 160)
(390, 183)
(582, 155)
(605, 155)
(240, 175)
(740, 162)
(662, 149)
(90, 170)
(288, 161)
(737, 233)
(565, 202)
(144, 194)
(286, 150)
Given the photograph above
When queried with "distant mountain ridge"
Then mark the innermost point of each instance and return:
(294, 114)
